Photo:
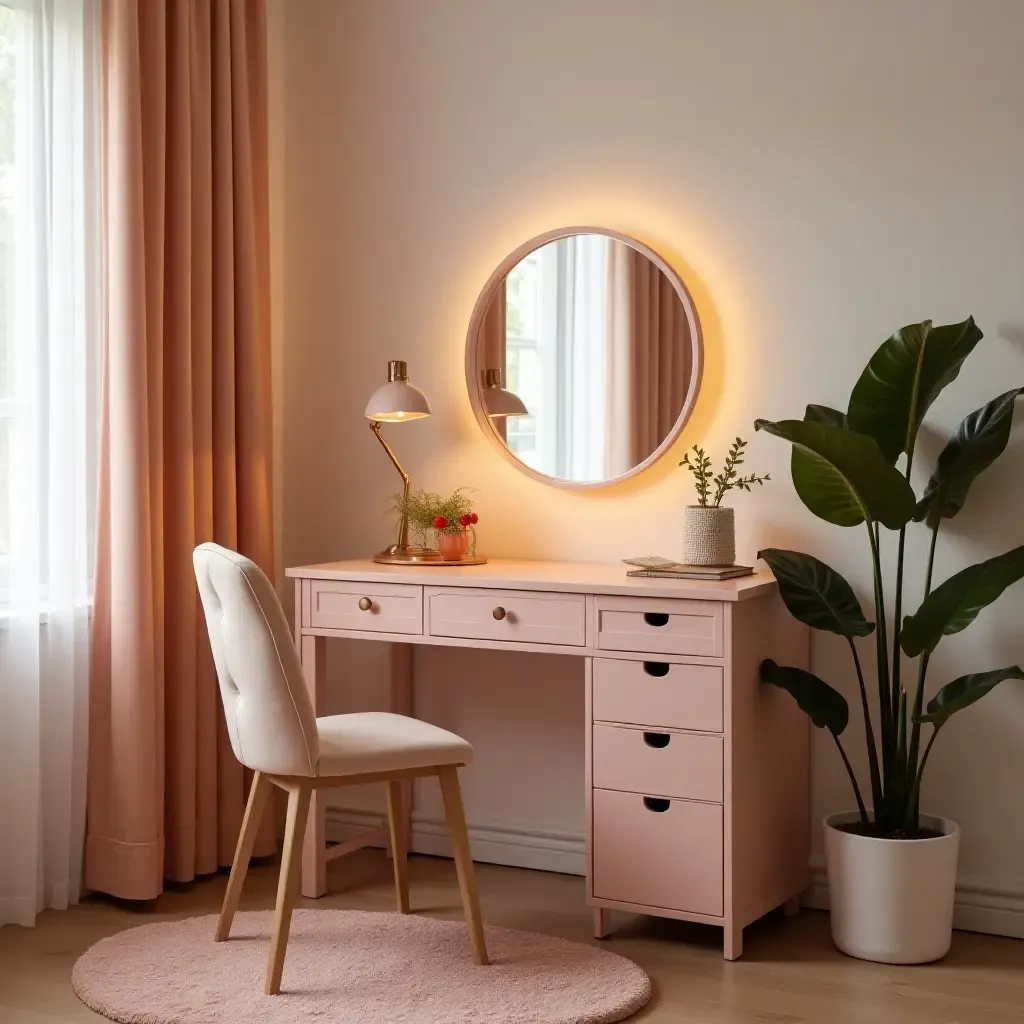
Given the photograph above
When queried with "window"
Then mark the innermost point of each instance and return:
(556, 356)
(523, 374)
(9, 66)
(48, 301)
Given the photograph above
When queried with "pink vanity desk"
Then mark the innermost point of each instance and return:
(697, 775)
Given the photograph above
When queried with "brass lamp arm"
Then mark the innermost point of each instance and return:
(403, 523)
(375, 426)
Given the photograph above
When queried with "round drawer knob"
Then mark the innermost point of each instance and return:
(365, 604)
(499, 613)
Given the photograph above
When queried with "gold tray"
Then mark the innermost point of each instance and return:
(431, 563)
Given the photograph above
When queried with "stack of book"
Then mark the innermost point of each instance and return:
(655, 567)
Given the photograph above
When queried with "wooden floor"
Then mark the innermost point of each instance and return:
(790, 973)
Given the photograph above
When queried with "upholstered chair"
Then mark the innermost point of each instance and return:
(274, 732)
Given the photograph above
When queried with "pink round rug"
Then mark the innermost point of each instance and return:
(353, 967)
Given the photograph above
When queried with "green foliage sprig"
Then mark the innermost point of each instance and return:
(845, 470)
(422, 508)
(728, 480)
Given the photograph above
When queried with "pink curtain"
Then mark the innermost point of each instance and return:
(650, 355)
(186, 433)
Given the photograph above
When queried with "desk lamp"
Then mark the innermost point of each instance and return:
(497, 400)
(395, 402)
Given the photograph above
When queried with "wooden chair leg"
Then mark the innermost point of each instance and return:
(258, 793)
(287, 883)
(396, 823)
(449, 776)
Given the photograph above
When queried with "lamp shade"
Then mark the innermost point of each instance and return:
(497, 400)
(397, 400)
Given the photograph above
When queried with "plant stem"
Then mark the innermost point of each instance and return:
(896, 807)
(912, 818)
(869, 729)
(922, 672)
(897, 625)
(884, 693)
(899, 697)
(931, 561)
(853, 779)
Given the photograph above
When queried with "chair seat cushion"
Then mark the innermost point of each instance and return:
(375, 741)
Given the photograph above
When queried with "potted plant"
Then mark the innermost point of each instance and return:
(892, 869)
(709, 530)
(448, 521)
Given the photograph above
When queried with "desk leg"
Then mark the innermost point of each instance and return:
(402, 704)
(312, 651)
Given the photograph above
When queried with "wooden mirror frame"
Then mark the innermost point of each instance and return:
(473, 366)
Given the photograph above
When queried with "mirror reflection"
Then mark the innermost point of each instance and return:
(587, 358)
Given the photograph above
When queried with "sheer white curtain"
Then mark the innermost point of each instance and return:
(586, 355)
(48, 314)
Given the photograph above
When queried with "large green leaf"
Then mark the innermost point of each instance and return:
(801, 465)
(904, 377)
(825, 414)
(963, 692)
(844, 478)
(974, 446)
(825, 706)
(816, 594)
(955, 604)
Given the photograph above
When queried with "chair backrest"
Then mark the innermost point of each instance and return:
(269, 714)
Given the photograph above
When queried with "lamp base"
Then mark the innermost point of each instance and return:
(395, 554)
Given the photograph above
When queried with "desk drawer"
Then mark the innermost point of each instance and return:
(660, 627)
(658, 693)
(511, 615)
(658, 763)
(392, 608)
(658, 853)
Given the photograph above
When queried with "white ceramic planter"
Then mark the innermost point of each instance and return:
(709, 536)
(892, 899)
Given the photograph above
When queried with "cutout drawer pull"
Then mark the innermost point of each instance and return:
(365, 604)
(499, 613)
(658, 740)
(658, 804)
(656, 618)
(656, 668)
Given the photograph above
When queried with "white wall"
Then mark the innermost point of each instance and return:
(820, 172)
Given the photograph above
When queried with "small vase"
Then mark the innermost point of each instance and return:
(453, 546)
(709, 536)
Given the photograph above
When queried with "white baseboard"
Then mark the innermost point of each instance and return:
(979, 907)
(539, 849)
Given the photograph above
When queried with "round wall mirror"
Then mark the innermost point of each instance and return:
(583, 358)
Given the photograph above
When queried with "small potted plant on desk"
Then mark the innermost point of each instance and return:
(709, 528)
(892, 869)
(450, 521)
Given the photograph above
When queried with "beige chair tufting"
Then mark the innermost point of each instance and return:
(274, 732)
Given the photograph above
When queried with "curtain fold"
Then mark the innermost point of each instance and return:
(649, 358)
(185, 450)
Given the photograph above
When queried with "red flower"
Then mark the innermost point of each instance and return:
(474, 518)
(465, 520)
(440, 523)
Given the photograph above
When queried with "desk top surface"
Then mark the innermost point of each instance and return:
(563, 577)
